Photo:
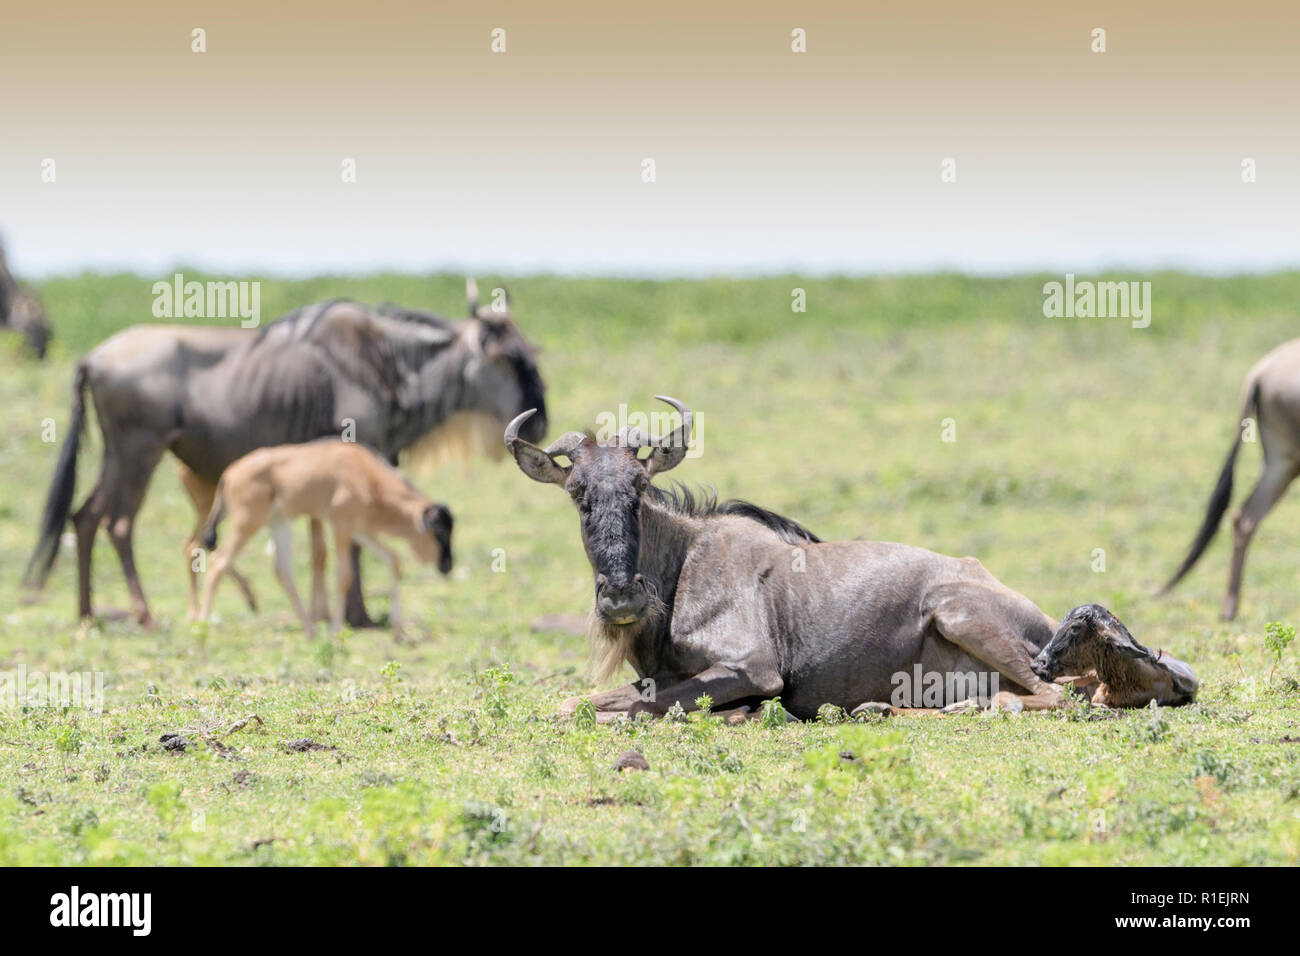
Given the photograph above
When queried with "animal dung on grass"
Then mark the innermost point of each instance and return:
(631, 760)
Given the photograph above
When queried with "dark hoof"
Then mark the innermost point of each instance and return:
(107, 614)
(872, 708)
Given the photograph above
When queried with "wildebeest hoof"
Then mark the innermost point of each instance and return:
(872, 708)
(107, 614)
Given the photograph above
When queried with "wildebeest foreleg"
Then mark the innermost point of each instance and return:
(355, 605)
(395, 620)
(86, 522)
(135, 466)
(721, 683)
(320, 608)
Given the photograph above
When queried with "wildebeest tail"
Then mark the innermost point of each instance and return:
(58, 503)
(1218, 500)
(208, 536)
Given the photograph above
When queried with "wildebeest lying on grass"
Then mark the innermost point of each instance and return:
(391, 376)
(1271, 395)
(357, 492)
(734, 602)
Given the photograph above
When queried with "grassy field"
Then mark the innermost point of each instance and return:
(1072, 435)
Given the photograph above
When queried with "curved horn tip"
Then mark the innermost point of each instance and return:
(512, 430)
(688, 416)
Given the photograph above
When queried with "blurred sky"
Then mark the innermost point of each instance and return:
(766, 160)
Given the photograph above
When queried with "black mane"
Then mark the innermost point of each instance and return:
(303, 318)
(704, 503)
(415, 315)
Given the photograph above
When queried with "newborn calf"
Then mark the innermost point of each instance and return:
(1091, 639)
(331, 481)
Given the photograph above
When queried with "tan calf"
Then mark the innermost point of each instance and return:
(331, 481)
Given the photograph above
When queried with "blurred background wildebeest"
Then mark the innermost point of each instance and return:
(22, 311)
(387, 377)
(1269, 409)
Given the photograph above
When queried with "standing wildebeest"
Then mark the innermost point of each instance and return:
(1271, 395)
(385, 377)
(734, 602)
(21, 311)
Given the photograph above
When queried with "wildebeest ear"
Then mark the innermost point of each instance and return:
(661, 459)
(538, 465)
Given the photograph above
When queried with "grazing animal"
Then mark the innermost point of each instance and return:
(21, 311)
(1271, 395)
(451, 438)
(737, 603)
(361, 497)
(387, 377)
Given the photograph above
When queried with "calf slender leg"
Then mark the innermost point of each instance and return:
(1273, 481)
(222, 559)
(202, 493)
(282, 535)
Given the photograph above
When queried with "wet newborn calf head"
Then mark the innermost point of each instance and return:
(1090, 638)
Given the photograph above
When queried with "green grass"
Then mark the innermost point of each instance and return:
(1072, 435)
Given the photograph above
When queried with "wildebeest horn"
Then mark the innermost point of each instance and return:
(670, 449)
(539, 464)
(471, 295)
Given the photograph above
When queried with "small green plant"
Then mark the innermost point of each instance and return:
(1277, 637)
(831, 714)
(772, 714)
(1153, 727)
(585, 715)
(391, 672)
(492, 682)
(704, 720)
(67, 741)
